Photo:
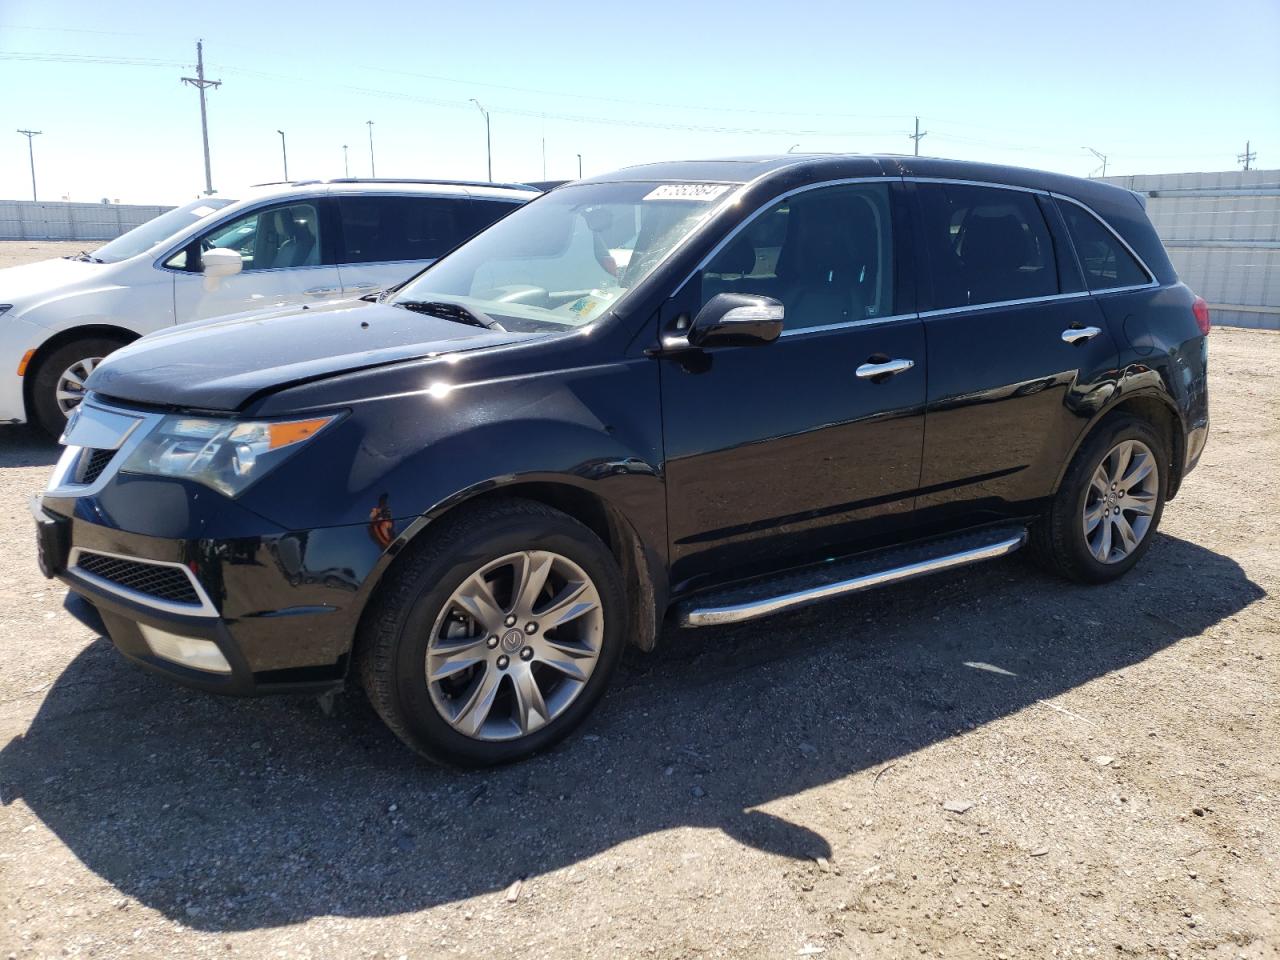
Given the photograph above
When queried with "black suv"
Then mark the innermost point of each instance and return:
(712, 390)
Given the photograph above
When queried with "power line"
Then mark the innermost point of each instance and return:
(1100, 156)
(200, 83)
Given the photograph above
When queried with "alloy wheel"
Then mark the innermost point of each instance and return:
(514, 645)
(70, 389)
(1121, 500)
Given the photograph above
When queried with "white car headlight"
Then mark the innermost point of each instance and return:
(227, 455)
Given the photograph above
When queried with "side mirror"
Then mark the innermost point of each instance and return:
(218, 263)
(736, 320)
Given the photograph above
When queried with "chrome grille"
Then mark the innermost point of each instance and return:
(91, 464)
(171, 584)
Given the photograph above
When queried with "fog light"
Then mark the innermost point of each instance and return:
(188, 651)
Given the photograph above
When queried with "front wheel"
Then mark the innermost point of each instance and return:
(496, 637)
(1105, 514)
(59, 381)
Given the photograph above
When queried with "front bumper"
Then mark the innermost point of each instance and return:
(281, 622)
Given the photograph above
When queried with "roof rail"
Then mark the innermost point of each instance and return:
(440, 183)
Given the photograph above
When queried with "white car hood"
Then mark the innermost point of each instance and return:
(34, 281)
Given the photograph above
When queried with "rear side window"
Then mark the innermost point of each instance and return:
(380, 229)
(986, 245)
(481, 213)
(1104, 259)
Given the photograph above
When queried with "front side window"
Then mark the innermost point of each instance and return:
(564, 259)
(274, 238)
(826, 254)
(986, 245)
(1105, 261)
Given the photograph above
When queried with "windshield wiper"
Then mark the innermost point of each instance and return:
(86, 257)
(451, 311)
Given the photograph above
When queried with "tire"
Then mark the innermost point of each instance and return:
(419, 602)
(1059, 541)
(46, 410)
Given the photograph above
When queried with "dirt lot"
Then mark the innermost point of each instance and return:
(15, 252)
(770, 790)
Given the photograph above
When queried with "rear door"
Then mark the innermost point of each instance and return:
(287, 258)
(387, 238)
(1019, 353)
(779, 453)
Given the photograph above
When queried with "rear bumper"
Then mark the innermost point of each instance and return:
(280, 624)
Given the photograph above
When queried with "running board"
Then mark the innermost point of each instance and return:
(838, 578)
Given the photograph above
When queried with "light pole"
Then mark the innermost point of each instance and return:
(284, 153)
(201, 84)
(488, 140)
(1100, 156)
(346, 167)
(31, 135)
(373, 170)
(579, 166)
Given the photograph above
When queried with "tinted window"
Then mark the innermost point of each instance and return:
(1105, 261)
(826, 254)
(481, 213)
(985, 245)
(271, 239)
(380, 229)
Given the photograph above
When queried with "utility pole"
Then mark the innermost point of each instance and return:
(284, 152)
(201, 84)
(917, 136)
(579, 166)
(1100, 156)
(544, 158)
(31, 135)
(1246, 158)
(488, 140)
(346, 167)
(373, 170)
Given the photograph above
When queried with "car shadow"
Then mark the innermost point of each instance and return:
(234, 815)
(25, 446)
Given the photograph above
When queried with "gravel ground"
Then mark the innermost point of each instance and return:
(776, 789)
(16, 252)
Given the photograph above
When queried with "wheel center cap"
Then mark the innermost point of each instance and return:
(512, 640)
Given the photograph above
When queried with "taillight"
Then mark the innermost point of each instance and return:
(1201, 310)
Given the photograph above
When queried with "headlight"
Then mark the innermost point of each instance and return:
(227, 455)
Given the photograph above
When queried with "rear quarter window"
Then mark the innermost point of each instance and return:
(1106, 263)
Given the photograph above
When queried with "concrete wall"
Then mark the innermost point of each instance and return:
(1222, 231)
(28, 220)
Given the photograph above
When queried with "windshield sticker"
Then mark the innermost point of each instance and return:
(688, 191)
(204, 211)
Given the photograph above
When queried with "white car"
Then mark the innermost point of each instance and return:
(282, 244)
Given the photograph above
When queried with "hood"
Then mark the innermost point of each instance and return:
(35, 280)
(221, 364)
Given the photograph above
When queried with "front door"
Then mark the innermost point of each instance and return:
(790, 451)
(1019, 353)
(286, 256)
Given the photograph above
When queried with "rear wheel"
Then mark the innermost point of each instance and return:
(1105, 514)
(497, 637)
(59, 381)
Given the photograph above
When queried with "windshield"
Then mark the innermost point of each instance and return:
(156, 231)
(565, 259)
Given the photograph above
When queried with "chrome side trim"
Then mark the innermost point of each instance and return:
(204, 609)
(996, 304)
(714, 616)
(847, 324)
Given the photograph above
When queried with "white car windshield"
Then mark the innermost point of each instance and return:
(159, 229)
(563, 260)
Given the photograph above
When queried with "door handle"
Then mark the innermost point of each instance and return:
(870, 371)
(323, 291)
(1080, 334)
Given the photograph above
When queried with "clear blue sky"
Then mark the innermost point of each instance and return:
(1158, 86)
